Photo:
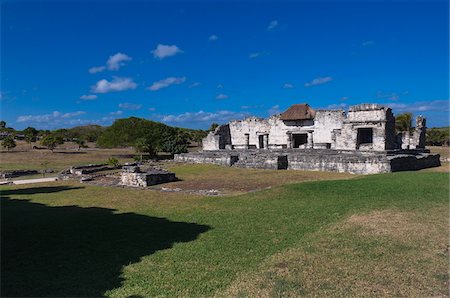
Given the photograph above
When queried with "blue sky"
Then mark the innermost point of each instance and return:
(190, 64)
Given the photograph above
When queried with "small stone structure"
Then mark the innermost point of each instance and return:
(133, 176)
(361, 141)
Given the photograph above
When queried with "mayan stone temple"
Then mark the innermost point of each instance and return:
(361, 141)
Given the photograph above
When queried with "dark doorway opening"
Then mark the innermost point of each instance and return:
(299, 140)
(261, 141)
(365, 137)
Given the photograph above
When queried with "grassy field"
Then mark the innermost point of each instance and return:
(378, 235)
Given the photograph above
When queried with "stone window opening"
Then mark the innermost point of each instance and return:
(364, 137)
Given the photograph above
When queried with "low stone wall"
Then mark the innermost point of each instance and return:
(355, 162)
(132, 176)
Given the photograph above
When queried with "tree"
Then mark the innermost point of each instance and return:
(174, 144)
(81, 144)
(213, 126)
(146, 145)
(30, 134)
(8, 143)
(52, 141)
(2, 124)
(126, 132)
(403, 122)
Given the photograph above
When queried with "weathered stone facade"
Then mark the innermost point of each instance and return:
(366, 127)
(361, 141)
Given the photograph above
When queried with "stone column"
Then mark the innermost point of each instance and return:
(266, 141)
(289, 140)
(309, 140)
(247, 140)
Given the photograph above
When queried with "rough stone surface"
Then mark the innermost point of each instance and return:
(350, 161)
(132, 176)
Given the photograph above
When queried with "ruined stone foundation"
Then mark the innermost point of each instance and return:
(350, 161)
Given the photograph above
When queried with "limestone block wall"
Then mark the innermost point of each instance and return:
(252, 126)
(324, 123)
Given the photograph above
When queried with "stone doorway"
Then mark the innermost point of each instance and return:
(261, 141)
(299, 140)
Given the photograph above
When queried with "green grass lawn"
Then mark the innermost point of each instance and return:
(376, 235)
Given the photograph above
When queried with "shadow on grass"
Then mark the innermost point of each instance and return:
(36, 190)
(74, 251)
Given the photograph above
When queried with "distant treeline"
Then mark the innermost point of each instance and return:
(145, 135)
(438, 136)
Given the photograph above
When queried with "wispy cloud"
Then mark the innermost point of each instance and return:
(274, 110)
(88, 97)
(251, 107)
(288, 86)
(117, 60)
(195, 84)
(130, 106)
(219, 86)
(116, 113)
(213, 37)
(258, 54)
(420, 106)
(152, 109)
(391, 96)
(336, 106)
(163, 51)
(204, 117)
(117, 84)
(272, 25)
(319, 81)
(96, 69)
(368, 43)
(56, 117)
(221, 96)
(166, 83)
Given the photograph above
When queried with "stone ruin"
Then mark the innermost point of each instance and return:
(361, 141)
(134, 176)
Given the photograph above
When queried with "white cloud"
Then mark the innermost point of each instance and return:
(213, 37)
(206, 117)
(288, 86)
(274, 110)
(117, 60)
(166, 83)
(318, 81)
(129, 106)
(54, 117)
(195, 84)
(258, 54)
(272, 25)
(88, 97)
(117, 84)
(219, 86)
(251, 107)
(163, 51)
(152, 109)
(96, 69)
(116, 113)
(420, 106)
(221, 96)
(336, 106)
(73, 114)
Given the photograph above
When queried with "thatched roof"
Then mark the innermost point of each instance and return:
(298, 112)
